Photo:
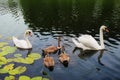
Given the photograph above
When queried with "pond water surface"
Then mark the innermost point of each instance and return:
(49, 19)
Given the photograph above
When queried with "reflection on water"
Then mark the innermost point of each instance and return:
(68, 18)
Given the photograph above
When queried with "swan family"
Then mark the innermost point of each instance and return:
(85, 42)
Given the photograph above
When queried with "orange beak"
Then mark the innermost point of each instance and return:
(106, 29)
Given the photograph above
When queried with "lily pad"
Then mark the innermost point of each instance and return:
(45, 79)
(17, 55)
(7, 49)
(9, 78)
(35, 56)
(28, 60)
(3, 44)
(2, 71)
(37, 78)
(3, 60)
(9, 67)
(17, 70)
(13, 72)
(21, 60)
(10, 60)
(21, 69)
(24, 78)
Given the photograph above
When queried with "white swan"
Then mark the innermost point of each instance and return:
(23, 44)
(87, 42)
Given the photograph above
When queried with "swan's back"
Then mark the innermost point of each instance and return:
(79, 45)
(20, 43)
(89, 41)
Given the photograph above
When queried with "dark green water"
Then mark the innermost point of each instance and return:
(49, 19)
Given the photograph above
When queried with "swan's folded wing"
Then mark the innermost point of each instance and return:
(19, 43)
(79, 45)
(89, 41)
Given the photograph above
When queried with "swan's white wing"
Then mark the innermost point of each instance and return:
(89, 41)
(20, 43)
(80, 45)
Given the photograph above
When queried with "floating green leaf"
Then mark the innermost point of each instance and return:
(13, 72)
(3, 60)
(35, 56)
(37, 78)
(45, 79)
(17, 55)
(9, 78)
(21, 60)
(24, 78)
(2, 71)
(7, 49)
(9, 67)
(21, 69)
(10, 60)
(28, 60)
(17, 70)
(3, 44)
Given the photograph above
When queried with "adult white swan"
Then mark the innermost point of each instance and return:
(87, 42)
(23, 44)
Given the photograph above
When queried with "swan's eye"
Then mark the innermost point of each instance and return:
(30, 33)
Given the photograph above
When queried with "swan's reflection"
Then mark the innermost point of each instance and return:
(88, 53)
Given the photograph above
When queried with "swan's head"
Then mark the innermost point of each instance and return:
(28, 33)
(104, 28)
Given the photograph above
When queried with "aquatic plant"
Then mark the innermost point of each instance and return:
(9, 78)
(7, 50)
(3, 60)
(28, 60)
(11, 70)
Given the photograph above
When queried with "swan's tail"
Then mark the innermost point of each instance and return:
(76, 42)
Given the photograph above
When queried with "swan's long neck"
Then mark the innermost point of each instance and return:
(58, 42)
(101, 39)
